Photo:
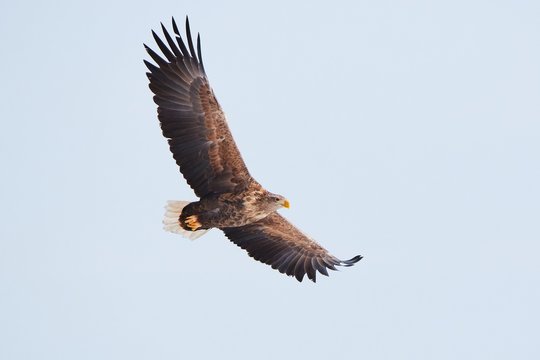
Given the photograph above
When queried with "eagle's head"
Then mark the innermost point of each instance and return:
(275, 201)
(262, 203)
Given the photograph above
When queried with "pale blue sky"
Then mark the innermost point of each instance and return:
(414, 126)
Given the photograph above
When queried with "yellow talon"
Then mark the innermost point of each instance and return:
(192, 222)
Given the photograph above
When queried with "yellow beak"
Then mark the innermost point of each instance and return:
(286, 204)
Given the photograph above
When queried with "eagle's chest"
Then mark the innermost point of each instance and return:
(241, 211)
(254, 209)
(244, 212)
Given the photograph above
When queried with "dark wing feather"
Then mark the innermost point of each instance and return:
(276, 242)
(191, 118)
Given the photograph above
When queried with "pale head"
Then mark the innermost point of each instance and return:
(276, 201)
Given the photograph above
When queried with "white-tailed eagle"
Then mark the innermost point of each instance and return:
(204, 149)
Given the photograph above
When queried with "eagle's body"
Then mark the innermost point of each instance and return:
(202, 145)
(229, 209)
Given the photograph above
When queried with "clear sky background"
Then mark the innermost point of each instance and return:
(405, 131)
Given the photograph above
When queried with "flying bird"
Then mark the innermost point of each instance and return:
(230, 199)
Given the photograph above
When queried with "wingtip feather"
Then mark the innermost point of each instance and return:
(352, 261)
(175, 27)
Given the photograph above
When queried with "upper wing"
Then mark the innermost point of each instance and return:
(276, 242)
(192, 119)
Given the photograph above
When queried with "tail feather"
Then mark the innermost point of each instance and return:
(171, 222)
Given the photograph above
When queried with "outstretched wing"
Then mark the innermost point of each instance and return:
(276, 242)
(191, 118)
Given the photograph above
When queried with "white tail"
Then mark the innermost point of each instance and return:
(173, 209)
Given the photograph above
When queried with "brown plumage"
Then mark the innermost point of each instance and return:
(202, 145)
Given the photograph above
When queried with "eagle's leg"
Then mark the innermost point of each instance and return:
(198, 216)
